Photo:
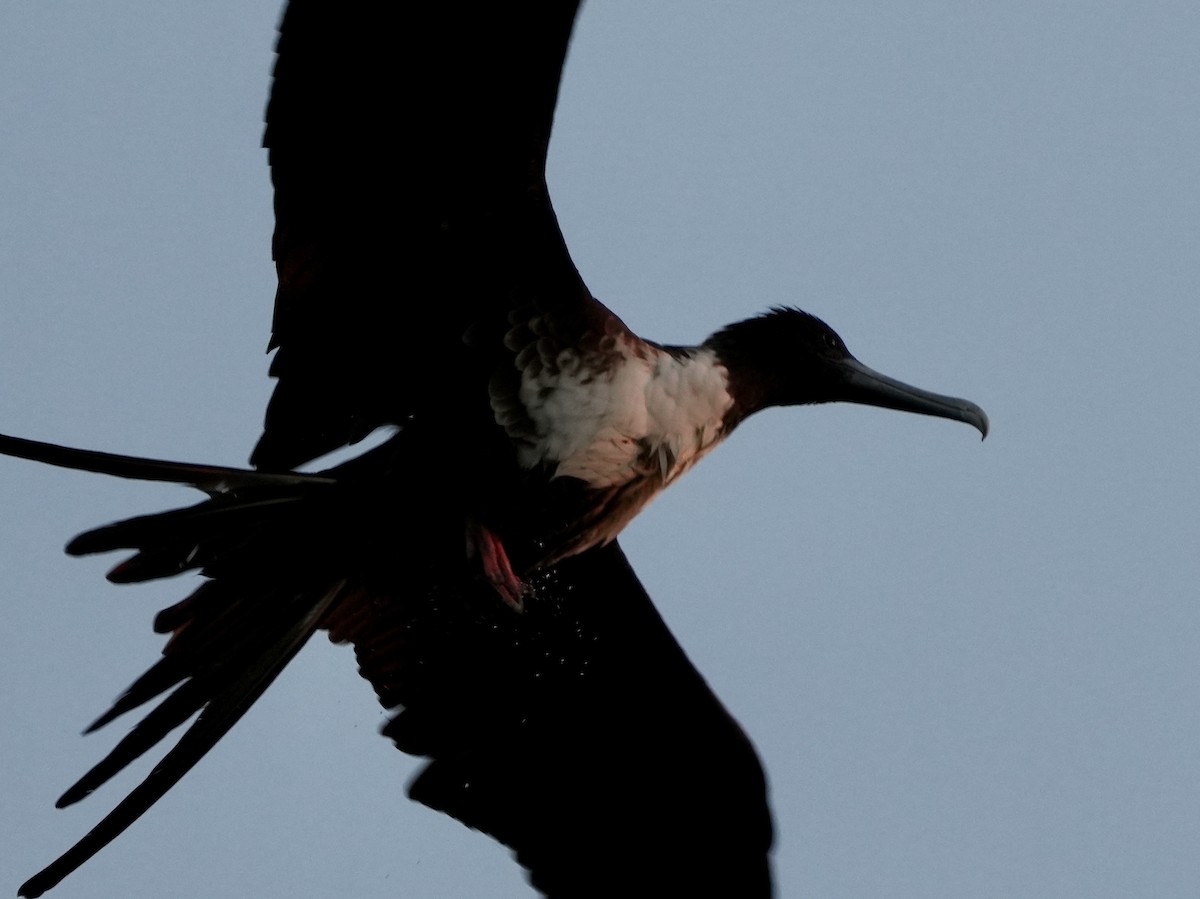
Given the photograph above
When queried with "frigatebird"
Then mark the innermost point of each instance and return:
(471, 558)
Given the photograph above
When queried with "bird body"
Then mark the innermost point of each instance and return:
(651, 414)
(424, 286)
(623, 420)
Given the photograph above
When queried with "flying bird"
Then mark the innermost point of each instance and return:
(471, 556)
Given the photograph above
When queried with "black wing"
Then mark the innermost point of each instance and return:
(578, 734)
(408, 147)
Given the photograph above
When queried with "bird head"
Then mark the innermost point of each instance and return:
(787, 357)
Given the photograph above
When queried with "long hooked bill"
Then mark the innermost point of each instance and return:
(865, 385)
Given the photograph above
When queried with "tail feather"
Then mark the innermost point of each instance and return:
(161, 676)
(150, 565)
(212, 479)
(186, 539)
(240, 503)
(228, 640)
(225, 625)
(233, 692)
(160, 721)
(214, 517)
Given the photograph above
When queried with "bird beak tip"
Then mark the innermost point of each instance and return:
(980, 421)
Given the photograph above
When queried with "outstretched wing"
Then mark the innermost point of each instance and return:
(578, 734)
(407, 147)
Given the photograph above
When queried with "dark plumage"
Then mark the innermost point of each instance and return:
(424, 286)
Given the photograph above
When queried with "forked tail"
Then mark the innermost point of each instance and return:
(229, 639)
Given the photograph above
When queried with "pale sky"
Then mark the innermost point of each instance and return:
(970, 669)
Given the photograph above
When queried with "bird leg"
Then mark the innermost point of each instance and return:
(496, 567)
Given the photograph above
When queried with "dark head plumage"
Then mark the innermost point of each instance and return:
(789, 357)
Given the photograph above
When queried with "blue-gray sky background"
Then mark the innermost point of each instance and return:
(971, 670)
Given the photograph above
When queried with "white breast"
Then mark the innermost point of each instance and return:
(651, 414)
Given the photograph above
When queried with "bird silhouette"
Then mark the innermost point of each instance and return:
(425, 290)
